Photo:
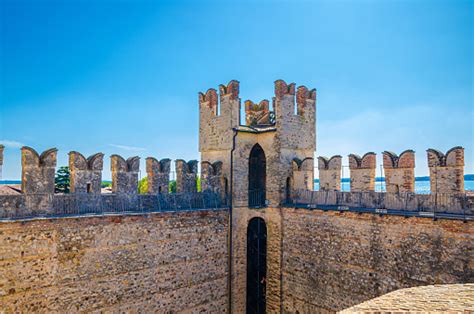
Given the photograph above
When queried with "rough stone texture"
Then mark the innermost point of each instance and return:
(257, 114)
(212, 178)
(303, 174)
(1, 159)
(446, 171)
(362, 172)
(85, 174)
(429, 299)
(186, 175)
(124, 174)
(399, 171)
(37, 171)
(332, 260)
(241, 218)
(330, 173)
(166, 262)
(158, 175)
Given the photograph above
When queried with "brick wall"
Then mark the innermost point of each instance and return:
(150, 262)
(332, 261)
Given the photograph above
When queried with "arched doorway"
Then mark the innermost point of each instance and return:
(256, 265)
(257, 177)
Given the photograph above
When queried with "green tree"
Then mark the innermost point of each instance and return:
(172, 186)
(143, 186)
(62, 180)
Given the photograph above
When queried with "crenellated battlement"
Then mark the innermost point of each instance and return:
(257, 114)
(446, 170)
(158, 175)
(186, 175)
(399, 171)
(124, 174)
(38, 171)
(362, 172)
(330, 173)
(85, 174)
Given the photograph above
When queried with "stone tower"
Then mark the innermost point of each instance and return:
(262, 160)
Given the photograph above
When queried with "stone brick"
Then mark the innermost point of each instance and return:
(124, 174)
(158, 175)
(37, 171)
(399, 171)
(85, 174)
(362, 172)
(186, 175)
(446, 171)
(330, 173)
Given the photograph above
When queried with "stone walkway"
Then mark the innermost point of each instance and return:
(456, 298)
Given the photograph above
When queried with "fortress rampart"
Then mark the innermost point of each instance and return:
(256, 235)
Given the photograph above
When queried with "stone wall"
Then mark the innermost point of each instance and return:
(332, 261)
(362, 172)
(330, 173)
(399, 171)
(446, 170)
(149, 263)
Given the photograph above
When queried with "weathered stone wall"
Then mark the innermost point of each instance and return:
(162, 262)
(186, 175)
(330, 173)
(446, 170)
(399, 171)
(332, 261)
(362, 172)
(85, 174)
(37, 171)
(124, 174)
(158, 175)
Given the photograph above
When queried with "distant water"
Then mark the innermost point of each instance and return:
(421, 187)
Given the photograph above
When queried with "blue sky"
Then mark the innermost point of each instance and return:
(123, 76)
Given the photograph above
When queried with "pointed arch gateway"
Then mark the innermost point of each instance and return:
(256, 266)
(257, 177)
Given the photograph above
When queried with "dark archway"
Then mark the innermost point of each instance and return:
(256, 266)
(257, 177)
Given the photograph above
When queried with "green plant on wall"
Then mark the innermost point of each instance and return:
(143, 186)
(172, 186)
(62, 180)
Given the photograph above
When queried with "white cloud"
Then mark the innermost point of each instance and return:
(128, 148)
(11, 144)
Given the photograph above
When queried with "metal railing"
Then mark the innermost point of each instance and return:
(257, 198)
(58, 205)
(455, 206)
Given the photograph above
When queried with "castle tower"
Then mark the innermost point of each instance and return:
(362, 172)
(263, 160)
(85, 174)
(330, 173)
(446, 171)
(399, 171)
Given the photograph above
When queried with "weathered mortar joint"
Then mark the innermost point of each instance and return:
(186, 175)
(38, 171)
(158, 175)
(330, 173)
(446, 170)
(124, 174)
(86, 174)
